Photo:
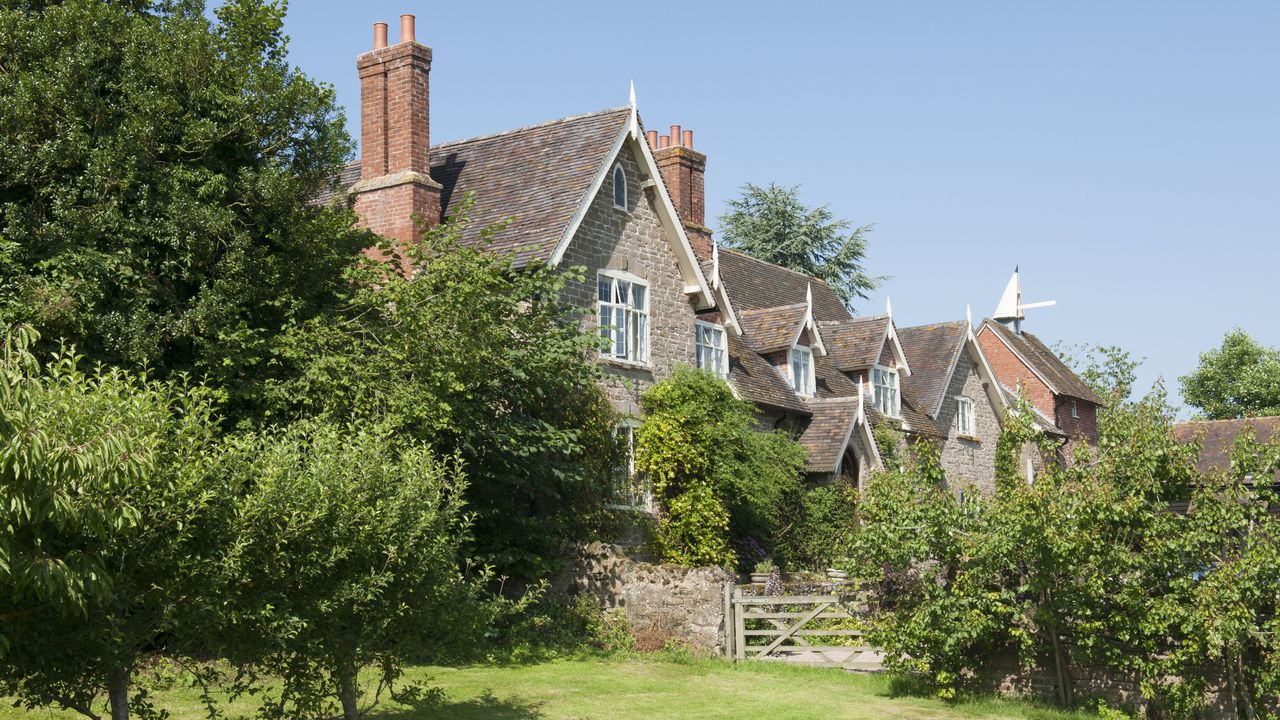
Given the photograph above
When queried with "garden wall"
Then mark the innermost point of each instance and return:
(661, 602)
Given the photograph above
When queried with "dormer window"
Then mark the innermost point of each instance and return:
(619, 187)
(884, 381)
(802, 371)
(624, 316)
(712, 353)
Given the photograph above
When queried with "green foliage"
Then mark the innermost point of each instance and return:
(772, 224)
(1085, 566)
(345, 556)
(1239, 379)
(890, 443)
(823, 533)
(156, 169)
(716, 477)
(477, 358)
(112, 526)
(1109, 370)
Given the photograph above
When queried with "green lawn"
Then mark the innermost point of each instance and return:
(630, 688)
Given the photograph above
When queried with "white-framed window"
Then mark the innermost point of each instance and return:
(1075, 409)
(802, 371)
(624, 316)
(712, 352)
(964, 416)
(884, 383)
(619, 187)
(631, 489)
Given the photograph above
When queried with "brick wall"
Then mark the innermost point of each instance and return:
(634, 241)
(1011, 372)
(1087, 422)
(969, 461)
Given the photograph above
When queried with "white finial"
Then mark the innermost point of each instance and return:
(808, 295)
(633, 93)
(715, 262)
(968, 316)
(888, 306)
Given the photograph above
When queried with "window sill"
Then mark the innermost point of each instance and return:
(628, 364)
(970, 438)
(622, 210)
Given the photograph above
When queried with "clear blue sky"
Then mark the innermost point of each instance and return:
(1126, 155)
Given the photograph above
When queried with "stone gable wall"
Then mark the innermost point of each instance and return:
(967, 461)
(634, 241)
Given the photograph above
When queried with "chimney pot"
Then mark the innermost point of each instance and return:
(379, 35)
(664, 142)
(687, 140)
(406, 28)
(675, 135)
(652, 135)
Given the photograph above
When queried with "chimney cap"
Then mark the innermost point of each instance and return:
(406, 28)
(379, 35)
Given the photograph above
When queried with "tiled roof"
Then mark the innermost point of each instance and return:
(825, 436)
(757, 380)
(772, 329)
(932, 352)
(830, 382)
(1218, 437)
(535, 176)
(854, 343)
(1044, 361)
(755, 284)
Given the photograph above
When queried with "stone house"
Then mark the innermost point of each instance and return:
(600, 192)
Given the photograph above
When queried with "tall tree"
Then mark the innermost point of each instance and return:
(157, 170)
(772, 224)
(1239, 379)
(1109, 370)
(110, 530)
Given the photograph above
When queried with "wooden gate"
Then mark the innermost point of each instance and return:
(815, 630)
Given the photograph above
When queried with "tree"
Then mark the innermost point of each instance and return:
(716, 477)
(157, 171)
(477, 358)
(1108, 370)
(346, 555)
(110, 531)
(1239, 379)
(771, 223)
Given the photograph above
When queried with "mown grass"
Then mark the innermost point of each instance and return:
(631, 687)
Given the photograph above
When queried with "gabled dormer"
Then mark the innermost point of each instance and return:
(868, 351)
(788, 338)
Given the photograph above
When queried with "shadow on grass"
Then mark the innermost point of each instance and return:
(486, 706)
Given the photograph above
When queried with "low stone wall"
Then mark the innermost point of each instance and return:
(1008, 677)
(660, 601)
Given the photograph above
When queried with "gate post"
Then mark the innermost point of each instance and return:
(728, 618)
(739, 627)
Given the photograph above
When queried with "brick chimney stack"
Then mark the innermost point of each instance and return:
(395, 126)
(682, 170)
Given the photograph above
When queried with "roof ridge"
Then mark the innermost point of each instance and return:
(535, 126)
(929, 325)
(773, 265)
(854, 319)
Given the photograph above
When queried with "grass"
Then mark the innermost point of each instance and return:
(630, 688)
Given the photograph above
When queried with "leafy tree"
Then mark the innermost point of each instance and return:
(823, 532)
(156, 175)
(480, 359)
(1239, 379)
(716, 477)
(110, 531)
(1108, 370)
(771, 223)
(346, 555)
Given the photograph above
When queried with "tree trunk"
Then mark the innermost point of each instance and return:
(1243, 684)
(118, 692)
(1065, 696)
(1231, 685)
(348, 692)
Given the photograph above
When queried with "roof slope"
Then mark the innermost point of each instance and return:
(1045, 362)
(534, 176)
(854, 343)
(827, 433)
(772, 329)
(756, 284)
(933, 351)
(1218, 437)
(757, 380)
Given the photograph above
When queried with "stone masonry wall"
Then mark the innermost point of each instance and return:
(969, 460)
(660, 601)
(634, 240)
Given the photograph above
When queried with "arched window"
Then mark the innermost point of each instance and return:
(619, 187)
